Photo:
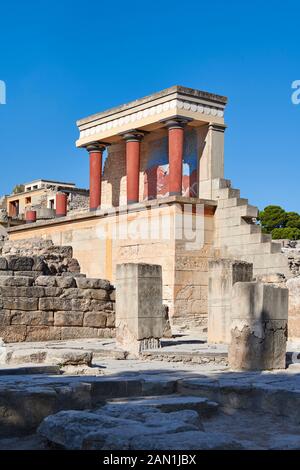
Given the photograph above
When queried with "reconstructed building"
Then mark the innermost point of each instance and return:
(40, 195)
(160, 197)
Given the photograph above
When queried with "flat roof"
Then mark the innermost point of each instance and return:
(48, 181)
(167, 91)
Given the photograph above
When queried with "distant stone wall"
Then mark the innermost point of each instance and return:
(36, 256)
(291, 248)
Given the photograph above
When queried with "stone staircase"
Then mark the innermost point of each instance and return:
(238, 236)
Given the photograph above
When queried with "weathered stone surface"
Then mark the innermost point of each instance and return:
(13, 333)
(139, 309)
(5, 316)
(190, 440)
(20, 303)
(293, 286)
(31, 318)
(20, 263)
(102, 430)
(98, 305)
(46, 281)
(89, 283)
(43, 333)
(94, 319)
(39, 264)
(76, 332)
(259, 326)
(68, 318)
(65, 282)
(53, 291)
(223, 274)
(34, 291)
(53, 303)
(3, 263)
(33, 274)
(16, 281)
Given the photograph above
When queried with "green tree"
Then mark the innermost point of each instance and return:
(293, 220)
(19, 188)
(272, 217)
(291, 233)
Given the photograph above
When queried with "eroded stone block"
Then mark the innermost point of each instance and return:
(223, 274)
(259, 326)
(139, 310)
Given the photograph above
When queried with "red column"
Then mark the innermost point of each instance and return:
(61, 204)
(176, 137)
(133, 150)
(95, 151)
(30, 216)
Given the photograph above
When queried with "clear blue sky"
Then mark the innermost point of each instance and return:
(63, 60)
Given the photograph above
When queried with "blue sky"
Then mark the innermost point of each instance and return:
(62, 60)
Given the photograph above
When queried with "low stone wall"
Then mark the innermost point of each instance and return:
(55, 307)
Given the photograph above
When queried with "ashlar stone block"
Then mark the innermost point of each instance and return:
(223, 274)
(139, 307)
(259, 326)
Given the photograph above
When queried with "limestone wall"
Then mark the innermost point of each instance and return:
(54, 308)
(43, 296)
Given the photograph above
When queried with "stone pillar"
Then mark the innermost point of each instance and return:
(259, 327)
(176, 140)
(139, 309)
(222, 275)
(61, 204)
(211, 165)
(133, 150)
(30, 216)
(95, 150)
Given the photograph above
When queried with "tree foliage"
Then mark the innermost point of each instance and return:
(19, 188)
(278, 222)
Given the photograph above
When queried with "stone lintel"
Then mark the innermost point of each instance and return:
(147, 113)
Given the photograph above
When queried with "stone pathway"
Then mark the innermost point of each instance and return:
(89, 377)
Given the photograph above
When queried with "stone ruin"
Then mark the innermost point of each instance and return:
(43, 296)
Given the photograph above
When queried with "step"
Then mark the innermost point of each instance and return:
(245, 229)
(247, 211)
(276, 393)
(226, 193)
(169, 403)
(232, 202)
(220, 183)
(247, 239)
(29, 369)
(250, 249)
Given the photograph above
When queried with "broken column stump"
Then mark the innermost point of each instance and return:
(223, 274)
(259, 327)
(139, 309)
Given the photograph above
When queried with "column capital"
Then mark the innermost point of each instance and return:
(133, 136)
(176, 122)
(217, 127)
(96, 147)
